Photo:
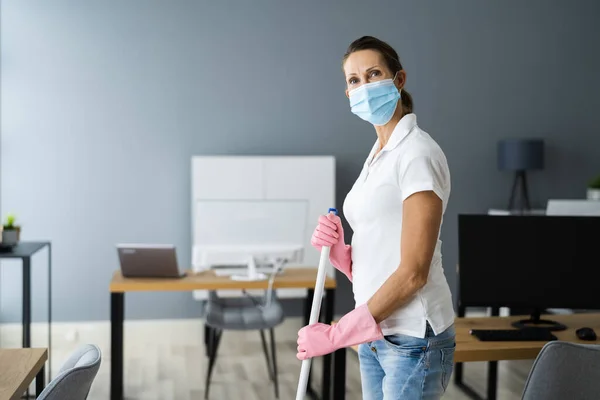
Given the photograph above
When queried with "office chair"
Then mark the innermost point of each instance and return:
(564, 370)
(76, 375)
(244, 313)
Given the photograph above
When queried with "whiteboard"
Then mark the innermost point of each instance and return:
(238, 191)
(250, 222)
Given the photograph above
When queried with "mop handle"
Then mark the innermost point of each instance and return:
(314, 314)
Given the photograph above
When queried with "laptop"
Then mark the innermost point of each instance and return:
(148, 261)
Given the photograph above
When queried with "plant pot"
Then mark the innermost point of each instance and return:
(11, 236)
(593, 194)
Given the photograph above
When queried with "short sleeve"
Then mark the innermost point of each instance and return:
(422, 173)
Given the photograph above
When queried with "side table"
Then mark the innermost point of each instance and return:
(24, 251)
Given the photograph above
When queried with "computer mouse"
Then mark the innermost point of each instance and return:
(586, 333)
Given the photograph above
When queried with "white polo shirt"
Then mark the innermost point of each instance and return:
(410, 162)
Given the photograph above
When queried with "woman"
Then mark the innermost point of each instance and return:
(404, 318)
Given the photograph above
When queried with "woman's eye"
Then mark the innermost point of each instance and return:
(374, 73)
(352, 81)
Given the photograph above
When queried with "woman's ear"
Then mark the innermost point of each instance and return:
(400, 79)
(347, 94)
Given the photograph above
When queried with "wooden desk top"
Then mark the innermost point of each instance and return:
(18, 368)
(290, 278)
(469, 348)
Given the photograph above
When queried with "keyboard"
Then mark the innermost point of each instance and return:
(513, 335)
(228, 270)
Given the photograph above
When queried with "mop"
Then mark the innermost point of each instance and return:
(314, 314)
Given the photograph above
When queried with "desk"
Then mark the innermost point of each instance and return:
(469, 348)
(18, 368)
(290, 278)
(24, 251)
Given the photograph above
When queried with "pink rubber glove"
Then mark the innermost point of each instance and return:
(329, 232)
(356, 327)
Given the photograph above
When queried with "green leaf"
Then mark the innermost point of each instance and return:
(10, 221)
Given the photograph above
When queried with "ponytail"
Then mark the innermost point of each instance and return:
(407, 101)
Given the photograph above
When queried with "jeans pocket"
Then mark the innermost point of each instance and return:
(406, 345)
(447, 364)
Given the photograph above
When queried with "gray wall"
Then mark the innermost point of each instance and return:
(104, 103)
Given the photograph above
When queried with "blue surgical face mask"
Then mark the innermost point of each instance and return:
(375, 102)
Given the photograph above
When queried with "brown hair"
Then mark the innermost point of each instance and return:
(390, 57)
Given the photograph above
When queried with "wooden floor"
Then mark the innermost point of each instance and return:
(165, 360)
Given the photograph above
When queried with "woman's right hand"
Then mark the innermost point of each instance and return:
(329, 232)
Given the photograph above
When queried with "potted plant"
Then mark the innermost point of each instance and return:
(10, 231)
(593, 191)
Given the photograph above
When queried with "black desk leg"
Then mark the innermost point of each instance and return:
(49, 311)
(491, 389)
(492, 380)
(40, 379)
(339, 374)
(27, 306)
(27, 302)
(493, 368)
(327, 359)
(308, 305)
(458, 367)
(117, 314)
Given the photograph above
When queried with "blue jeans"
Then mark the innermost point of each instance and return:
(408, 368)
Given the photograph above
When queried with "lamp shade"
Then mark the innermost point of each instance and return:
(520, 154)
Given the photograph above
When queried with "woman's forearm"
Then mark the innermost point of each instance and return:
(396, 291)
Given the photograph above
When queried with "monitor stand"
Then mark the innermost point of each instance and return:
(536, 322)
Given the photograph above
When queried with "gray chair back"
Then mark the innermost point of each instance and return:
(76, 376)
(564, 370)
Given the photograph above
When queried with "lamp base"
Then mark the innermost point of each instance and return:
(519, 184)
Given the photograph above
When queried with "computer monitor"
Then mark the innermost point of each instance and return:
(531, 262)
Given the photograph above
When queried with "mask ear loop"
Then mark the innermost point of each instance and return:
(394, 81)
(399, 91)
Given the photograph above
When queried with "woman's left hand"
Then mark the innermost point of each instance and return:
(356, 327)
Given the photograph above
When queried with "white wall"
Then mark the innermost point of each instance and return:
(103, 103)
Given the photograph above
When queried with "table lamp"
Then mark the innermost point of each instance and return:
(520, 156)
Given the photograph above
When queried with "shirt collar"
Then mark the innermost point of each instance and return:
(401, 130)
